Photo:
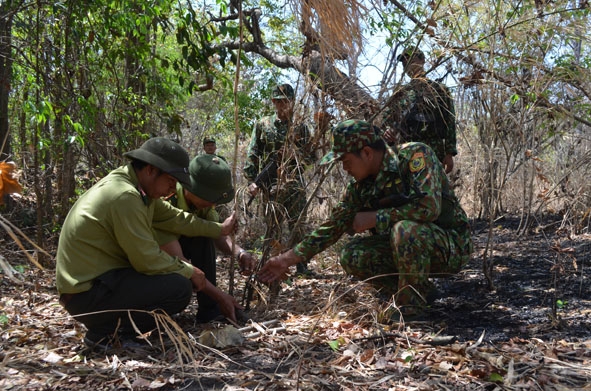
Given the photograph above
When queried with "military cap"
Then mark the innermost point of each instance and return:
(409, 54)
(165, 155)
(207, 140)
(211, 179)
(283, 91)
(351, 136)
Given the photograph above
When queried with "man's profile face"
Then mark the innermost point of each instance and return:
(158, 184)
(356, 165)
(414, 67)
(209, 148)
(197, 202)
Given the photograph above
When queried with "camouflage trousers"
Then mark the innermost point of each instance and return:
(402, 261)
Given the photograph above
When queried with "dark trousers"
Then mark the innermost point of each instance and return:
(126, 289)
(201, 251)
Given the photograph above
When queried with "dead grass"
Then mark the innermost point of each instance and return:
(328, 333)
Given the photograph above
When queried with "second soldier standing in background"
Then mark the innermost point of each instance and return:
(278, 137)
(422, 111)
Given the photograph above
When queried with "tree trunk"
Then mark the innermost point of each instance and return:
(6, 14)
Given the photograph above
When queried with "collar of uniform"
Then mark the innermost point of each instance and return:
(390, 162)
(389, 166)
(136, 182)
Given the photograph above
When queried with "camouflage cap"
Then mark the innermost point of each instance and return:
(211, 179)
(409, 54)
(165, 155)
(283, 91)
(207, 140)
(351, 136)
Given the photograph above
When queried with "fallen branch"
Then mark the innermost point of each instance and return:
(436, 341)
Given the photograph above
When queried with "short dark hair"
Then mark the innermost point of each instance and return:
(138, 164)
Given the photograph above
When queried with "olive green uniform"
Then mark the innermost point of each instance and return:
(108, 257)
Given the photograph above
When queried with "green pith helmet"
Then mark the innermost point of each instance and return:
(211, 179)
(351, 136)
(165, 155)
(207, 140)
(283, 91)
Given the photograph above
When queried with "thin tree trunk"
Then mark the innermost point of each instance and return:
(6, 15)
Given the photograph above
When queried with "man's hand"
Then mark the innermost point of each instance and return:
(198, 279)
(226, 302)
(448, 163)
(277, 267)
(247, 262)
(364, 221)
(230, 225)
(228, 305)
(253, 189)
(389, 136)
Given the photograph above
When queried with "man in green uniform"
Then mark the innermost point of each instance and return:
(422, 111)
(108, 258)
(404, 197)
(209, 145)
(277, 138)
(211, 185)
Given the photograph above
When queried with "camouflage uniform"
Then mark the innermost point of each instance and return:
(272, 138)
(429, 234)
(423, 111)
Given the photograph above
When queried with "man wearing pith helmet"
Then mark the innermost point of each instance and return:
(108, 258)
(404, 199)
(210, 185)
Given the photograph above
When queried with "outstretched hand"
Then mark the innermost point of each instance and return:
(448, 163)
(277, 267)
(389, 136)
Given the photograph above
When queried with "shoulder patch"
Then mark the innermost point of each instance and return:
(417, 162)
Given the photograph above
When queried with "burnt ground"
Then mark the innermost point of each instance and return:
(542, 287)
(532, 332)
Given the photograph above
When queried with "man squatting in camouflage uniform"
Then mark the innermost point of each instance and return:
(210, 185)
(429, 234)
(277, 137)
(422, 111)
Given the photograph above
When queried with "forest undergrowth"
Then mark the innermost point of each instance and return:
(328, 332)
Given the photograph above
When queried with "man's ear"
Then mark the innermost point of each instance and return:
(152, 170)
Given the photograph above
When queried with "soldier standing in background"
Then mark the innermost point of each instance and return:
(277, 137)
(422, 111)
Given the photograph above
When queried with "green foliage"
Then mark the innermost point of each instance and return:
(561, 304)
(3, 319)
(336, 344)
